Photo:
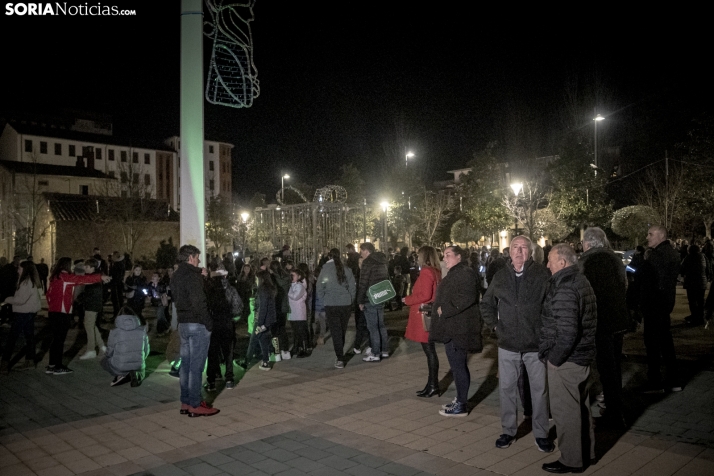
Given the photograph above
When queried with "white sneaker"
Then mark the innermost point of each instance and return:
(104, 349)
(356, 350)
(285, 355)
(368, 350)
(371, 358)
(385, 355)
(90, 354)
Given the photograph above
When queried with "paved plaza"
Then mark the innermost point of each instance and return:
(305, 417)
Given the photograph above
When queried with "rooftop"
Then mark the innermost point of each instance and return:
(68, 207)
(32, 168)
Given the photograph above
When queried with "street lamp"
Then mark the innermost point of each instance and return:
(596, 119)
(385, 207)
(406, 158)
(244, 216)
(516, 187)
(282, 187)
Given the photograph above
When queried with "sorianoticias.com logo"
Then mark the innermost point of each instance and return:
(64, 9)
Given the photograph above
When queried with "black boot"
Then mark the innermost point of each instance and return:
(432, 361)
(423, 390)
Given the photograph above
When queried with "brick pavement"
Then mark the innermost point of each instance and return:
(305, 417)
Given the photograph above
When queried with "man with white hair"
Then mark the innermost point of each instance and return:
(606, 273)
(512, 304)
(567, 346)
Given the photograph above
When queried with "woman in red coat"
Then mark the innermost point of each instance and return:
(423, 292)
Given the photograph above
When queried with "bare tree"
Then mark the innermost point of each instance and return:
(435, 209)
(664, 192)
(134, 188)
(29, 203)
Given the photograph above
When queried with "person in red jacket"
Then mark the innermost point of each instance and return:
(423, 292)
(59, 304)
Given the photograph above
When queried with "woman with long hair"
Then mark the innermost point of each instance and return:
(336, 290)
(281, 279)
(59, 305)
(298, 312)
(424, 292)
(264, 319)
(136, 296)
(25, 306)
(246, 290)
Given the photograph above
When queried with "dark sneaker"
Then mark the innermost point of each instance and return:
(120, 380)
(264, 366)
(652, 389)
(457, 410)
(62, 371)
(545, 445)
(560, 468)
(134, 377)
(210, 386)
(204, 409)
(339, 364)
(184, 408)
(230, 384)
(449, 405)
(504, 441)
(174, 372)
(50, 369)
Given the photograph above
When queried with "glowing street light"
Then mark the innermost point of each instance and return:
(244, 216)
(385, 207)
(517, 187)
(596, 119)
(406, 158)
(282, 187)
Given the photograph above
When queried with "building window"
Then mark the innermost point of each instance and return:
(147, 179)
(123, 156)
(110, 154)
(135, 157)
(111, 174)
(43, 183)
(124, 177)
(211, 166)
(210, 149)
(147, 195)
(98, 154)
(72, 152)
(28, 145)
(147, 159)
(135, 179)
(84, 189)
(43, 147)
(210, 185)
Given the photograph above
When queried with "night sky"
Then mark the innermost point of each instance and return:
(337, 77)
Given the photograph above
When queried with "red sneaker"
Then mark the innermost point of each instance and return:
(184, 408)
(204, 409)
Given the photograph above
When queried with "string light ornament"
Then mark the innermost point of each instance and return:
(278, 195)
(330, 193)
(232, 76)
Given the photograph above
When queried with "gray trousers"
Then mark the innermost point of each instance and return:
(509, 369)
(569, 385)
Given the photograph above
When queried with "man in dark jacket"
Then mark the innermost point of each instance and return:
(195, 326)
(659, 288)
(606, 274)
(512, 304)
(117, 283)
(567, 346)
(374, 270)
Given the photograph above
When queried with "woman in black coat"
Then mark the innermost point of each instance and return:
(694, 270)
(457, 323)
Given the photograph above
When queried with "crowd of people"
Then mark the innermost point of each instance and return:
(555, 312)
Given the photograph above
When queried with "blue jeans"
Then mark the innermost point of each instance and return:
(195, 339)
(374, 315)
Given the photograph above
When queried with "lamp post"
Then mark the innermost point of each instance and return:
(244, 216)
(406, 157)
(385, 207)
(282, 187)
(596, 119)
(516, 187)
(364, 220)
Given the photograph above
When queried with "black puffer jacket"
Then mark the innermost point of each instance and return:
(694, 270)
(607, 276)
(516, 312)
(457, 296)
(374, 270)
(569, 319)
